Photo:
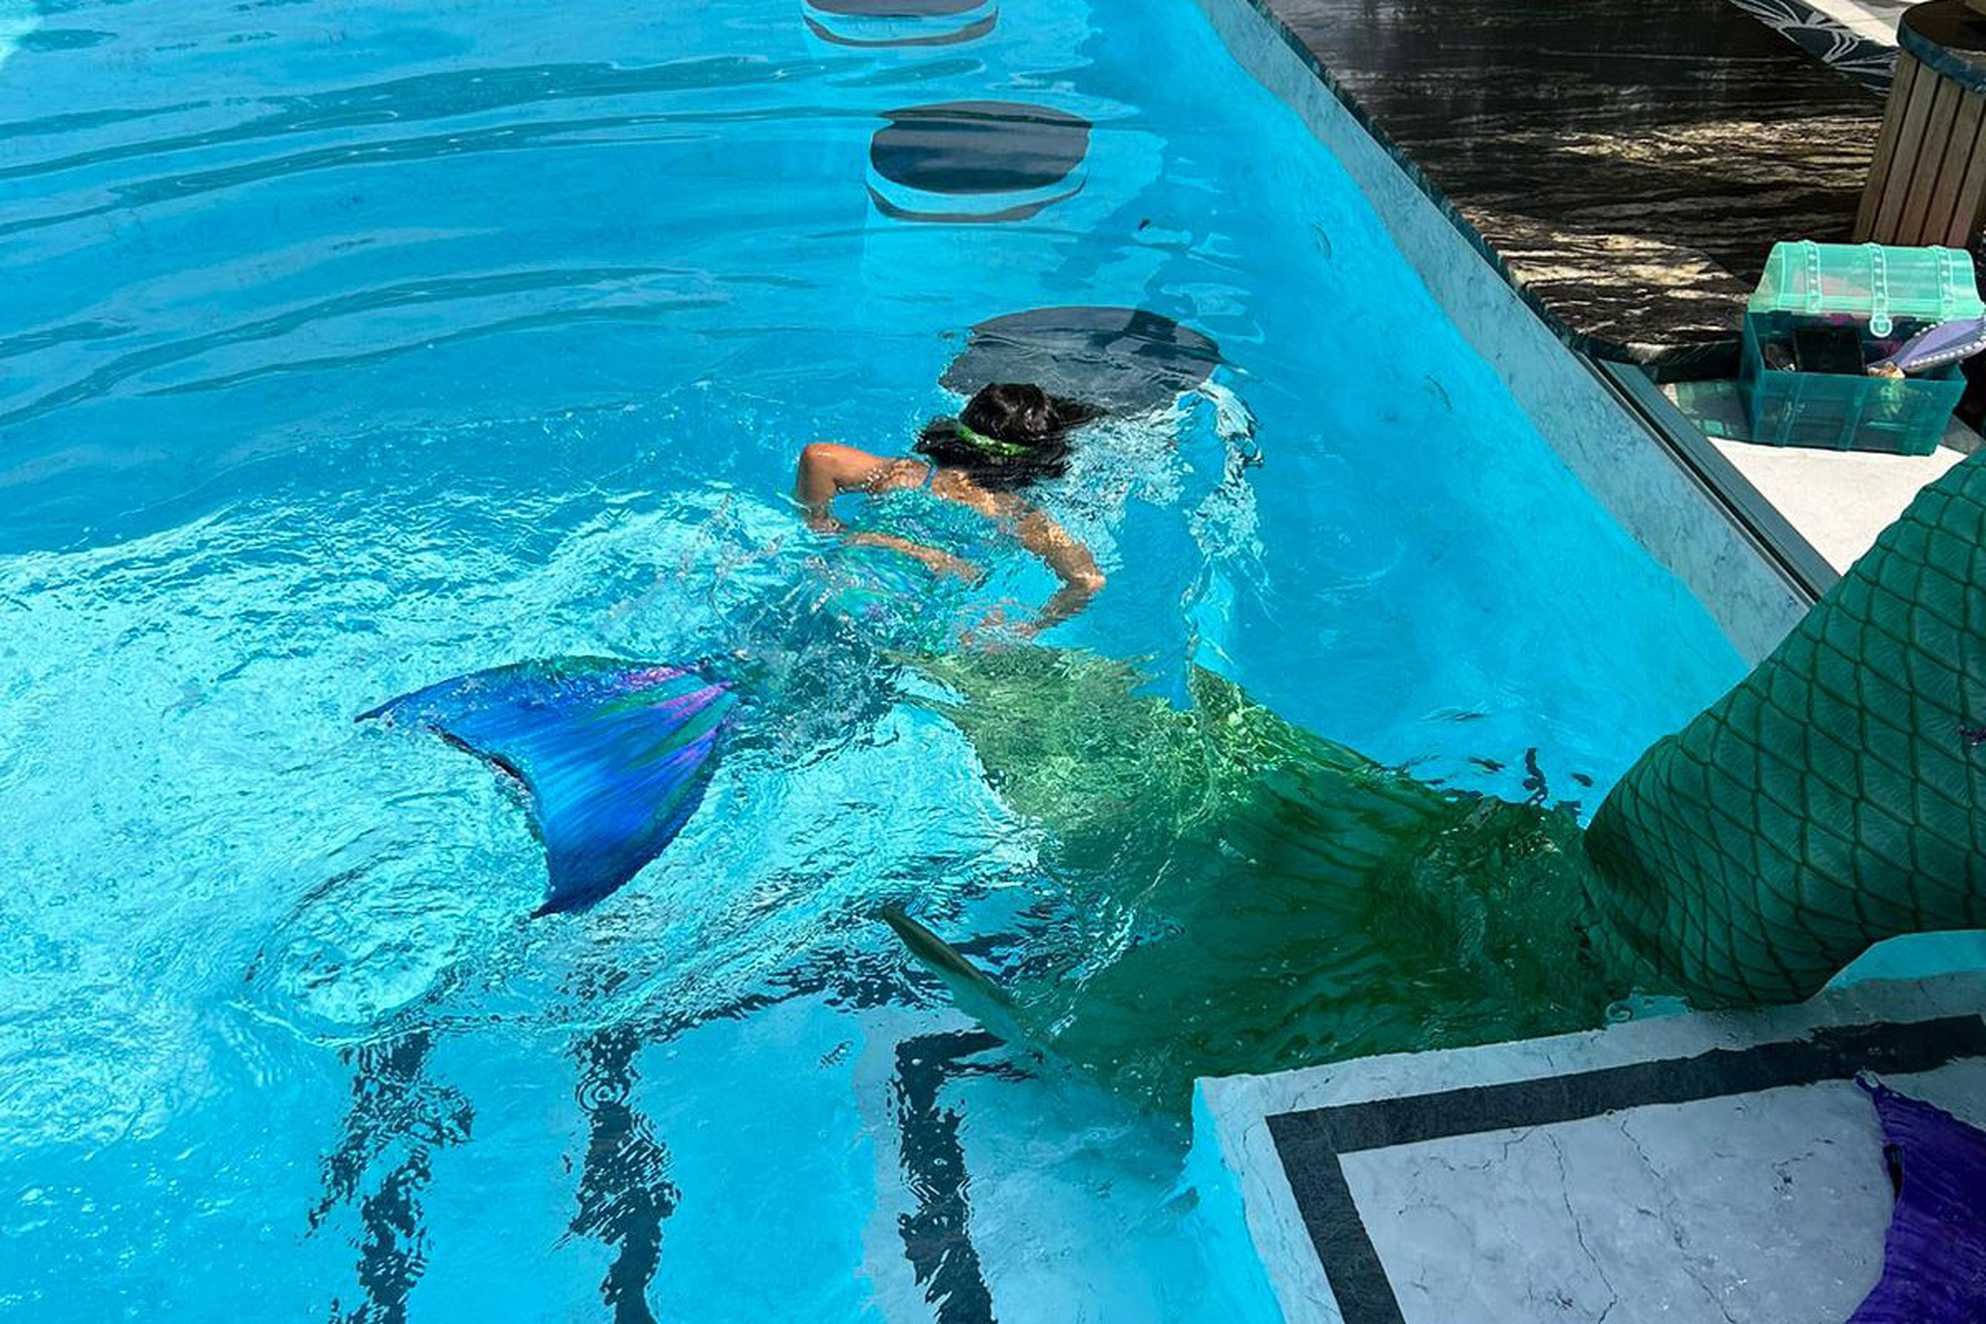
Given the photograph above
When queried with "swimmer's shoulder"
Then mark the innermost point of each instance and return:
(901, 474)
(952, 485)
(855, 469)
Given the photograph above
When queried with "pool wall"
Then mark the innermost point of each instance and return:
(1661, 505)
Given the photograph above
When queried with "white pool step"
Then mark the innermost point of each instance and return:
(1719, 1167)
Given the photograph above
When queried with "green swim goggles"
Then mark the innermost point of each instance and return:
(992, 445)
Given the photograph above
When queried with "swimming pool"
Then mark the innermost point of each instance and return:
(351, 347)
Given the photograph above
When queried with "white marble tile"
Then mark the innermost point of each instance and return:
(1865, 18)
(1769, 1207)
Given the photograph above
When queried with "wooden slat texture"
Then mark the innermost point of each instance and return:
(1903, 167)
(1939, 125)
(1907, 70)
(1927, 183)
(1953, 212)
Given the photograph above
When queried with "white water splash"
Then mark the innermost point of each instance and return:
(17, 19)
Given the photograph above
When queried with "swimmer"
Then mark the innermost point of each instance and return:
(615, 755)
(1007, 437)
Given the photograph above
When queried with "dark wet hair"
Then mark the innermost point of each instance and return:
(1028, 430)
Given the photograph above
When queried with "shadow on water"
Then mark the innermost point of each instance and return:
(396, 1107)
(624, 1188)
(937, 1237)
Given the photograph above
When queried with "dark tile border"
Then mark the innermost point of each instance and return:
(1311, 1144)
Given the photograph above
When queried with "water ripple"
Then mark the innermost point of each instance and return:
(450, 94)
(509, 137)
(435, 290)
(29, 342)
(617, 312)
(77, 121)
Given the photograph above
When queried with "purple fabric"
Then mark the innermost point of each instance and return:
(1934, 1258)
(1947, 342)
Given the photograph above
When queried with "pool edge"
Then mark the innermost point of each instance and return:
(1232, 1114)
(1751, 579)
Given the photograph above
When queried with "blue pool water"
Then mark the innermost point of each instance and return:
(350, 346)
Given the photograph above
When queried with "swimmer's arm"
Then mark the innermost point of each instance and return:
(827, 470)
(1036, 531)
(943, 563)
(1069, 559)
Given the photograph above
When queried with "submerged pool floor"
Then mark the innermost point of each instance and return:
(350, 349)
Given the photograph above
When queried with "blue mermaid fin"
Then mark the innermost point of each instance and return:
(614, 755)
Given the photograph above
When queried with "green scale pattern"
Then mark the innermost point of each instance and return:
(1832, 799)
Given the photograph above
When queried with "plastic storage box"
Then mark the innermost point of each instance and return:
(1884, 295)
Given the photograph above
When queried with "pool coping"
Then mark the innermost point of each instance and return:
(1749, 509)
(1267, 1148)
(1312, 1143)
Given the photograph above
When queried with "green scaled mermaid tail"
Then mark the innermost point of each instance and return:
(1833, 798)
(1284, 901)
(1242, 896)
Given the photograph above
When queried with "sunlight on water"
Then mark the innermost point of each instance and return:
(348, 349)
(17, 19)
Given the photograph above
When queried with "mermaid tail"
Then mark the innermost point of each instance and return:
(614, 755)
(1934, 1256)
(1835, 797)
(1241, 895)
(1300, 904)
(974, 994)
(1935, 346)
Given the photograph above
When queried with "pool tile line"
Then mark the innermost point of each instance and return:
(937, 1235)
(398, 1109)
(625, 1194)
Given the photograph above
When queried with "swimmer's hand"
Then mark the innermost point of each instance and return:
(1078, 588)
(939, 563)
(996, 631)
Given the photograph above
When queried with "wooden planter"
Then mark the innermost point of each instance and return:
(1927, 184)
